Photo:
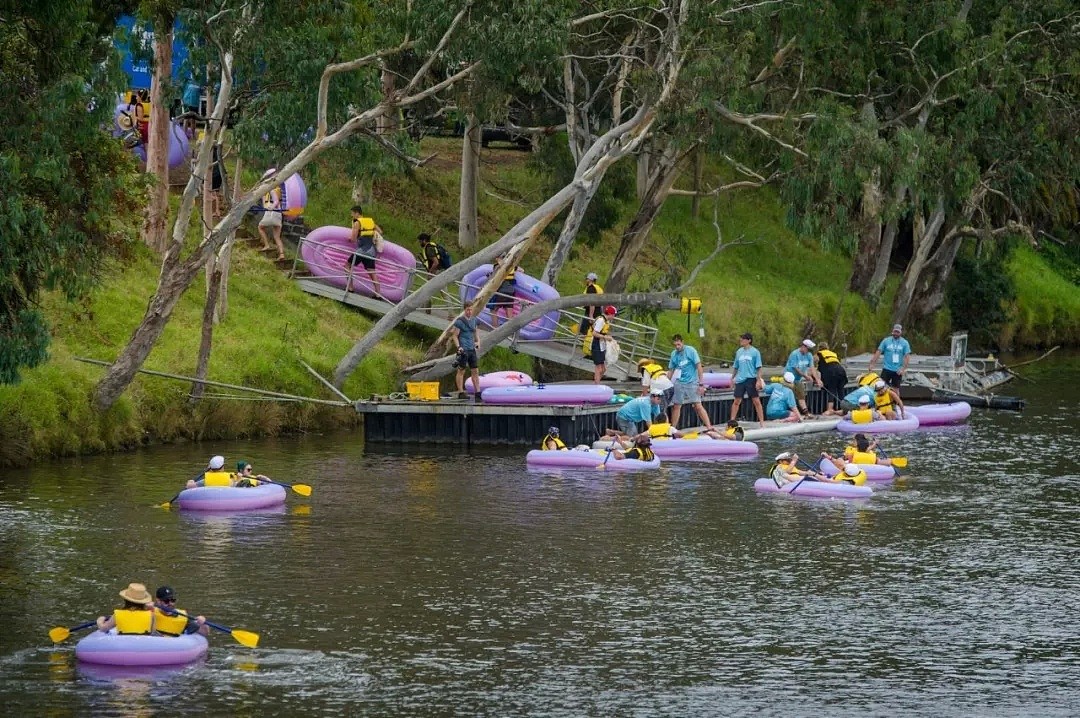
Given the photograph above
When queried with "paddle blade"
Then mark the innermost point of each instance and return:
(246, 638)
(302, 489)
(59, 634)
(899, 462)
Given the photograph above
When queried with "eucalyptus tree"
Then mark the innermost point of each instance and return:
(945, 117)
(69, 194)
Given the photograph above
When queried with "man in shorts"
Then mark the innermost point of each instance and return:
(687, 373)
(801, 365)
(896, 352)
(363, 234)
(748, 380)
(463, 334)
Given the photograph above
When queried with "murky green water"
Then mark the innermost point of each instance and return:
(425, 584)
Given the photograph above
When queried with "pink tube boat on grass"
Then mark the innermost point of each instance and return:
(326, 252)
(585, 459)
(567, 394)
(499, 378)
(940, 414)
(115, 649)
(527, 290)
(815, 489)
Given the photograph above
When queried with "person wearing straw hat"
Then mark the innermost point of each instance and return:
(136, 616)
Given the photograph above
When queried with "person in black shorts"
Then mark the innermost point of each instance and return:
(503, 298)
(364, 231)
(833, 378)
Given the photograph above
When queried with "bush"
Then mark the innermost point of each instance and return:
(979, 294)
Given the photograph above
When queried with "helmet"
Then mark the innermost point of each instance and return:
(610, 310)
(553, 431)
(165, 593)
(852, 470)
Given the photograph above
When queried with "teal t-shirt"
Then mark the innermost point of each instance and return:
(801, 361)
(639, 409)
(781, 401)
(853, 397)
(893, 352)
(686, 362)
(747, 363)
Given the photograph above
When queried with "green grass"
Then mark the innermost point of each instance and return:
(773, 284)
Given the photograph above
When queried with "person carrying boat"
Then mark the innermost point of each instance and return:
(887, 401)
(653, 375)
(833, 378)
(167, 618)
(214, 475)
(782, 404)
(864, 413)
(642, 450)
(136, 616)
(801, 365)
(785, 470)
(463, 334)
(367, 236)
(896, 352)
(552, 442)
(747, 379)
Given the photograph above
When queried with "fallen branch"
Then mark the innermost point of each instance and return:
(1031, 361)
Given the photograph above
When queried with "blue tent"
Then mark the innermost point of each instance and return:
(139, 71)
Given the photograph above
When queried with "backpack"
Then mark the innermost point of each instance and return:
(444, 257)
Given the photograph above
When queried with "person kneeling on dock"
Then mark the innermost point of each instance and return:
(785, 471)
(642, 450)
(641, 410)
(552, 442)
(782, 404)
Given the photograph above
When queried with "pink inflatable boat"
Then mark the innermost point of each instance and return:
(528, 290)
(940, 414)
(884, 426)
(816, 489)
(326, 253)
(717, 380)
(874, 472)
(231, 498)
(571, 394)
(499, 378)
(585, 459)
(114, 649)
(691, 449)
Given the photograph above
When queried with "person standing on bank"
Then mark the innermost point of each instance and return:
(748, 380)
(687, 373)
(601, 330)
(271, 221)
(896, 352)
(833, 378)
(364, 233)
(801, 365)
(463, 334)
(591, 287)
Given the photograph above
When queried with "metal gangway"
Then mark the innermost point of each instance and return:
(565, 346)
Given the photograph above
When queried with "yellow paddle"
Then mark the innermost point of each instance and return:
(302, 489)
(245, 638)
(60, 633)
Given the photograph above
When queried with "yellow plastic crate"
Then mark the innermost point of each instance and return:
(422, 390)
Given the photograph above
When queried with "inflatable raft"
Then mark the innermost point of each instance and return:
(817, 489)
(527, 290)
(754, 431)
(874, 472)
(582, 459)
(499, 378)
(114, 649)
(231, 498)
(884, 426)
(939, 414)
(326, 252)
(716, 380)
(690, 449)
(571, 394)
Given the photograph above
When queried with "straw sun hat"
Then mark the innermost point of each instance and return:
(137, 593)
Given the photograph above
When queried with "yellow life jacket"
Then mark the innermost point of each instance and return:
(883, 400)
(599, 289)
(217, 478)
(559, 445)
(828, 357)
(849, 451)
(586, 346)
(367, 226)
(272, 200)
(868, 379)
(659, 431)
(653, 369)
(730, 432)
(642, 453)
(133, 621)
(863, 457)
(169, 625)
(690, 435)
(862, 416)
(858, 479)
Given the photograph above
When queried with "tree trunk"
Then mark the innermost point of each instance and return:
(388, 122)
(221, 308)
(643, 173)
(924, 238)
(869, 247)
(561, 252)
(930, 292)
(699, 171)
(207, 336)
(155, 233)
(636, 234)
(470, 171)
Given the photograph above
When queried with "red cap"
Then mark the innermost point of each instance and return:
(610, 309)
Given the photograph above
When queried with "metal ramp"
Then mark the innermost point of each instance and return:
(635, 340)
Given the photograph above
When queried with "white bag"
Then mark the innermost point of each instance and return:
(377, 240)
(611, 354)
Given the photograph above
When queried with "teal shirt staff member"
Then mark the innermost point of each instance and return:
(636, 411)
(747, 379)
(685, 370)
(684, 365)
(799, 361)
(851, 401)
(781, 401)
(896, 352)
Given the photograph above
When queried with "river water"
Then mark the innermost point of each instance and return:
(420, 583)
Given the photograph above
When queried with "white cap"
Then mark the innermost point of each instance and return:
(655, 391)
(783, 456)
(789, 377)
(808, 344)
(864, 399)
(879, 384)
(852, 470)
(591, 275)
(897, 328)
(216, 462)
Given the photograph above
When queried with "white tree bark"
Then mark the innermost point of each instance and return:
(157, 148)
(468, 236)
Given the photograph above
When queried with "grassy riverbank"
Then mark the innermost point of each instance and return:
(769, 282)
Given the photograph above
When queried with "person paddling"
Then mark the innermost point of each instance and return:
(167, 616)
(135, 617)
(214, 475)
(785, 471)
(245, 476)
